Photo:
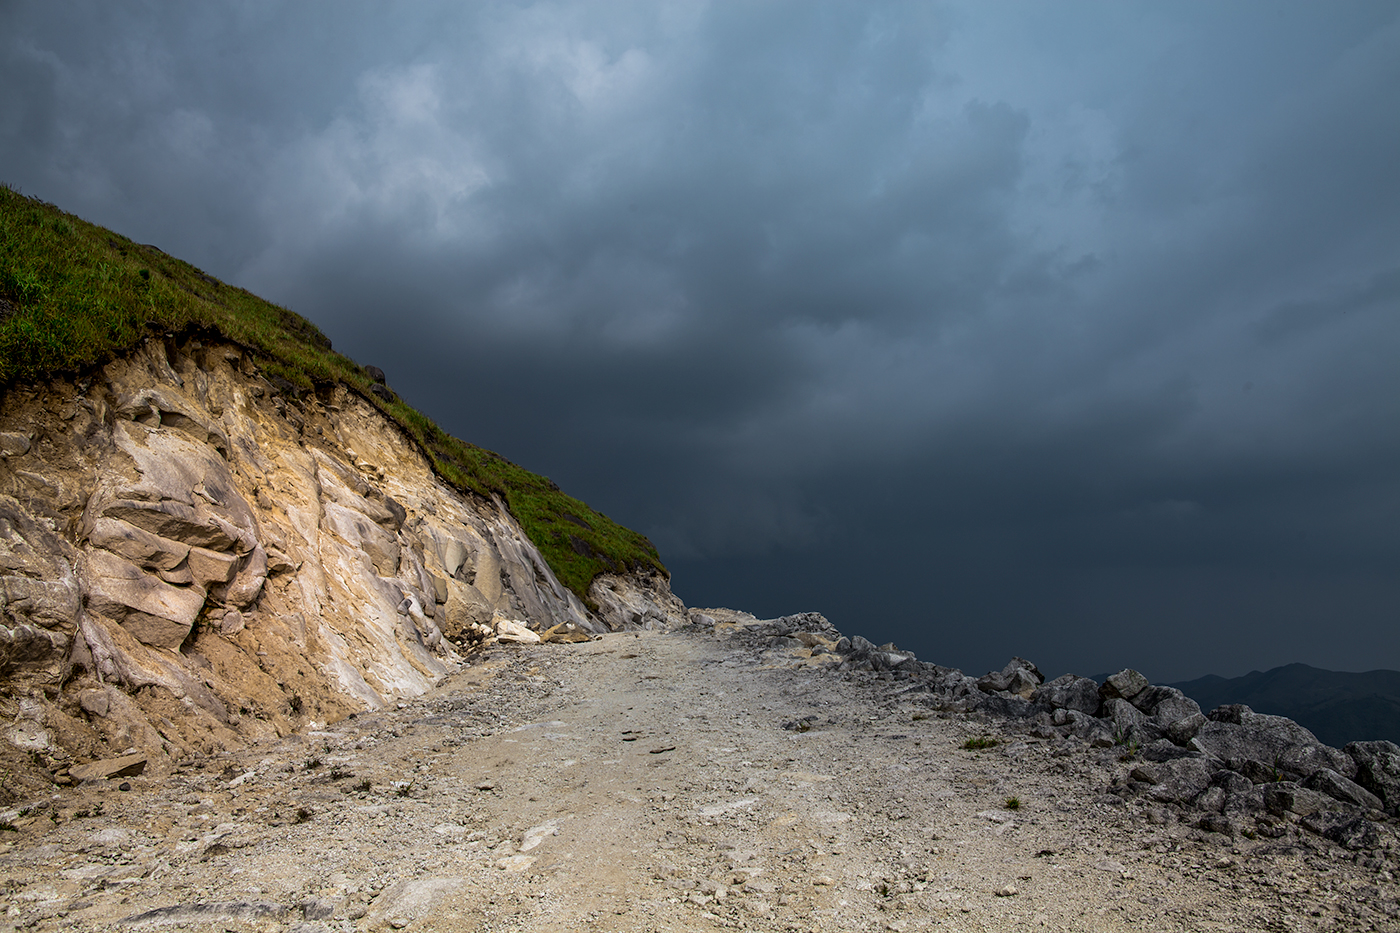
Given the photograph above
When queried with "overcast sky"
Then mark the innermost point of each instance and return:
(1068, 330)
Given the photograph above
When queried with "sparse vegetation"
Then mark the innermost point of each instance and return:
(980, 743)
(1012, 803)
(74, 296)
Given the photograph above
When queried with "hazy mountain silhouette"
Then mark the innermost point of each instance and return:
(1339, 707)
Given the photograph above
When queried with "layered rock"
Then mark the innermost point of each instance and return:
(204, 559)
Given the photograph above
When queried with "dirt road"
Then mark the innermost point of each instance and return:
(658, 782)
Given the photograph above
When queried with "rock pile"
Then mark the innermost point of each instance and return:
(1230, 770)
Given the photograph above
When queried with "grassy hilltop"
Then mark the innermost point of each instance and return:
(74, 295)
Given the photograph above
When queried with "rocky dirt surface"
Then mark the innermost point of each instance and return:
(643, 782)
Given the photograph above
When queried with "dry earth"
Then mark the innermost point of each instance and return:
(646, 782)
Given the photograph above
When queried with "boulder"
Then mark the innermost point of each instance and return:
(1165, 705)
(1348, 830)
(1239, 732)
(1178, 781)
(1289, 797)
(1256, 771)
(1329, 782)
(511, 632)
(1378, 770)
(175, 521)
(125, 766)
(137, 545)
(208, 567)
(1069, 691)
(1184, 730)
(1019, 677)
(155, 612)
(1124, 685)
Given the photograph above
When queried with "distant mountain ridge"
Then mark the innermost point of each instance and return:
(1337, 706)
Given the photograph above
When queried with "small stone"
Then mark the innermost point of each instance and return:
(95, 702)
(1006, 890)
(232, 623)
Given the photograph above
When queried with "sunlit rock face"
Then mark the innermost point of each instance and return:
(207, 560)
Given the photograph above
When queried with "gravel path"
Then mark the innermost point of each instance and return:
(660, 782)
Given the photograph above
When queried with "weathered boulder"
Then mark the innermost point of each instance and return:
(137, 545)
(1289, 797)
(125, 766)
(1329, 782)
(1166, 705)
(1351, 831)
(154, 611)
(1239, 732)
(1124, 685)
(1378, 770)
(512, 632)
(1069, 691)
(1179, 781)
(1019, 677)
(1184, 730)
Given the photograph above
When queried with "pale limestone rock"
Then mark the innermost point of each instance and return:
(208, 567)
(137, 545)
(511, 632)
(155, 612)
(640, 601)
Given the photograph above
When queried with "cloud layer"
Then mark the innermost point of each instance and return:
(1068, 332)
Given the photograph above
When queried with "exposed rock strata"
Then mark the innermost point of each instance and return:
(203, 560)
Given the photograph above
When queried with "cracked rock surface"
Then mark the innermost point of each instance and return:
(699, 780)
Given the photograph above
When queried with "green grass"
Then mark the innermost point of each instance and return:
(74, 296)
(980, 743)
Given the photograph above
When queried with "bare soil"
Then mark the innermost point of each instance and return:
(647, 782)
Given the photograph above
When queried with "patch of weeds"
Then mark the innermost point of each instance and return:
(313, 763)
(339, 774)
(403, 788)
(920, 717)
(302, 815)
(363, 786)
(93, 810)
(1130, 749)
(980, 743)
(1012, 803)
(294, 703)
(7, 827)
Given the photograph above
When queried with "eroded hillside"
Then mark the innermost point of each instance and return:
(193, 558)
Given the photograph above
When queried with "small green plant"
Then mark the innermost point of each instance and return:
(302, 815)
(1012, 803)
(980, 743)
(403, 788)
(7, 827)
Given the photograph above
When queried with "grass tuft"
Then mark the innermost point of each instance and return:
(980, 743)
(74, 296)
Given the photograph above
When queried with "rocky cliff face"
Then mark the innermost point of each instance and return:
(190, 559)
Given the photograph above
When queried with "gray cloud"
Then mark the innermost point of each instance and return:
(1066, 331)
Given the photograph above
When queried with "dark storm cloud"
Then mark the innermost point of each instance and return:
(1064, 330)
